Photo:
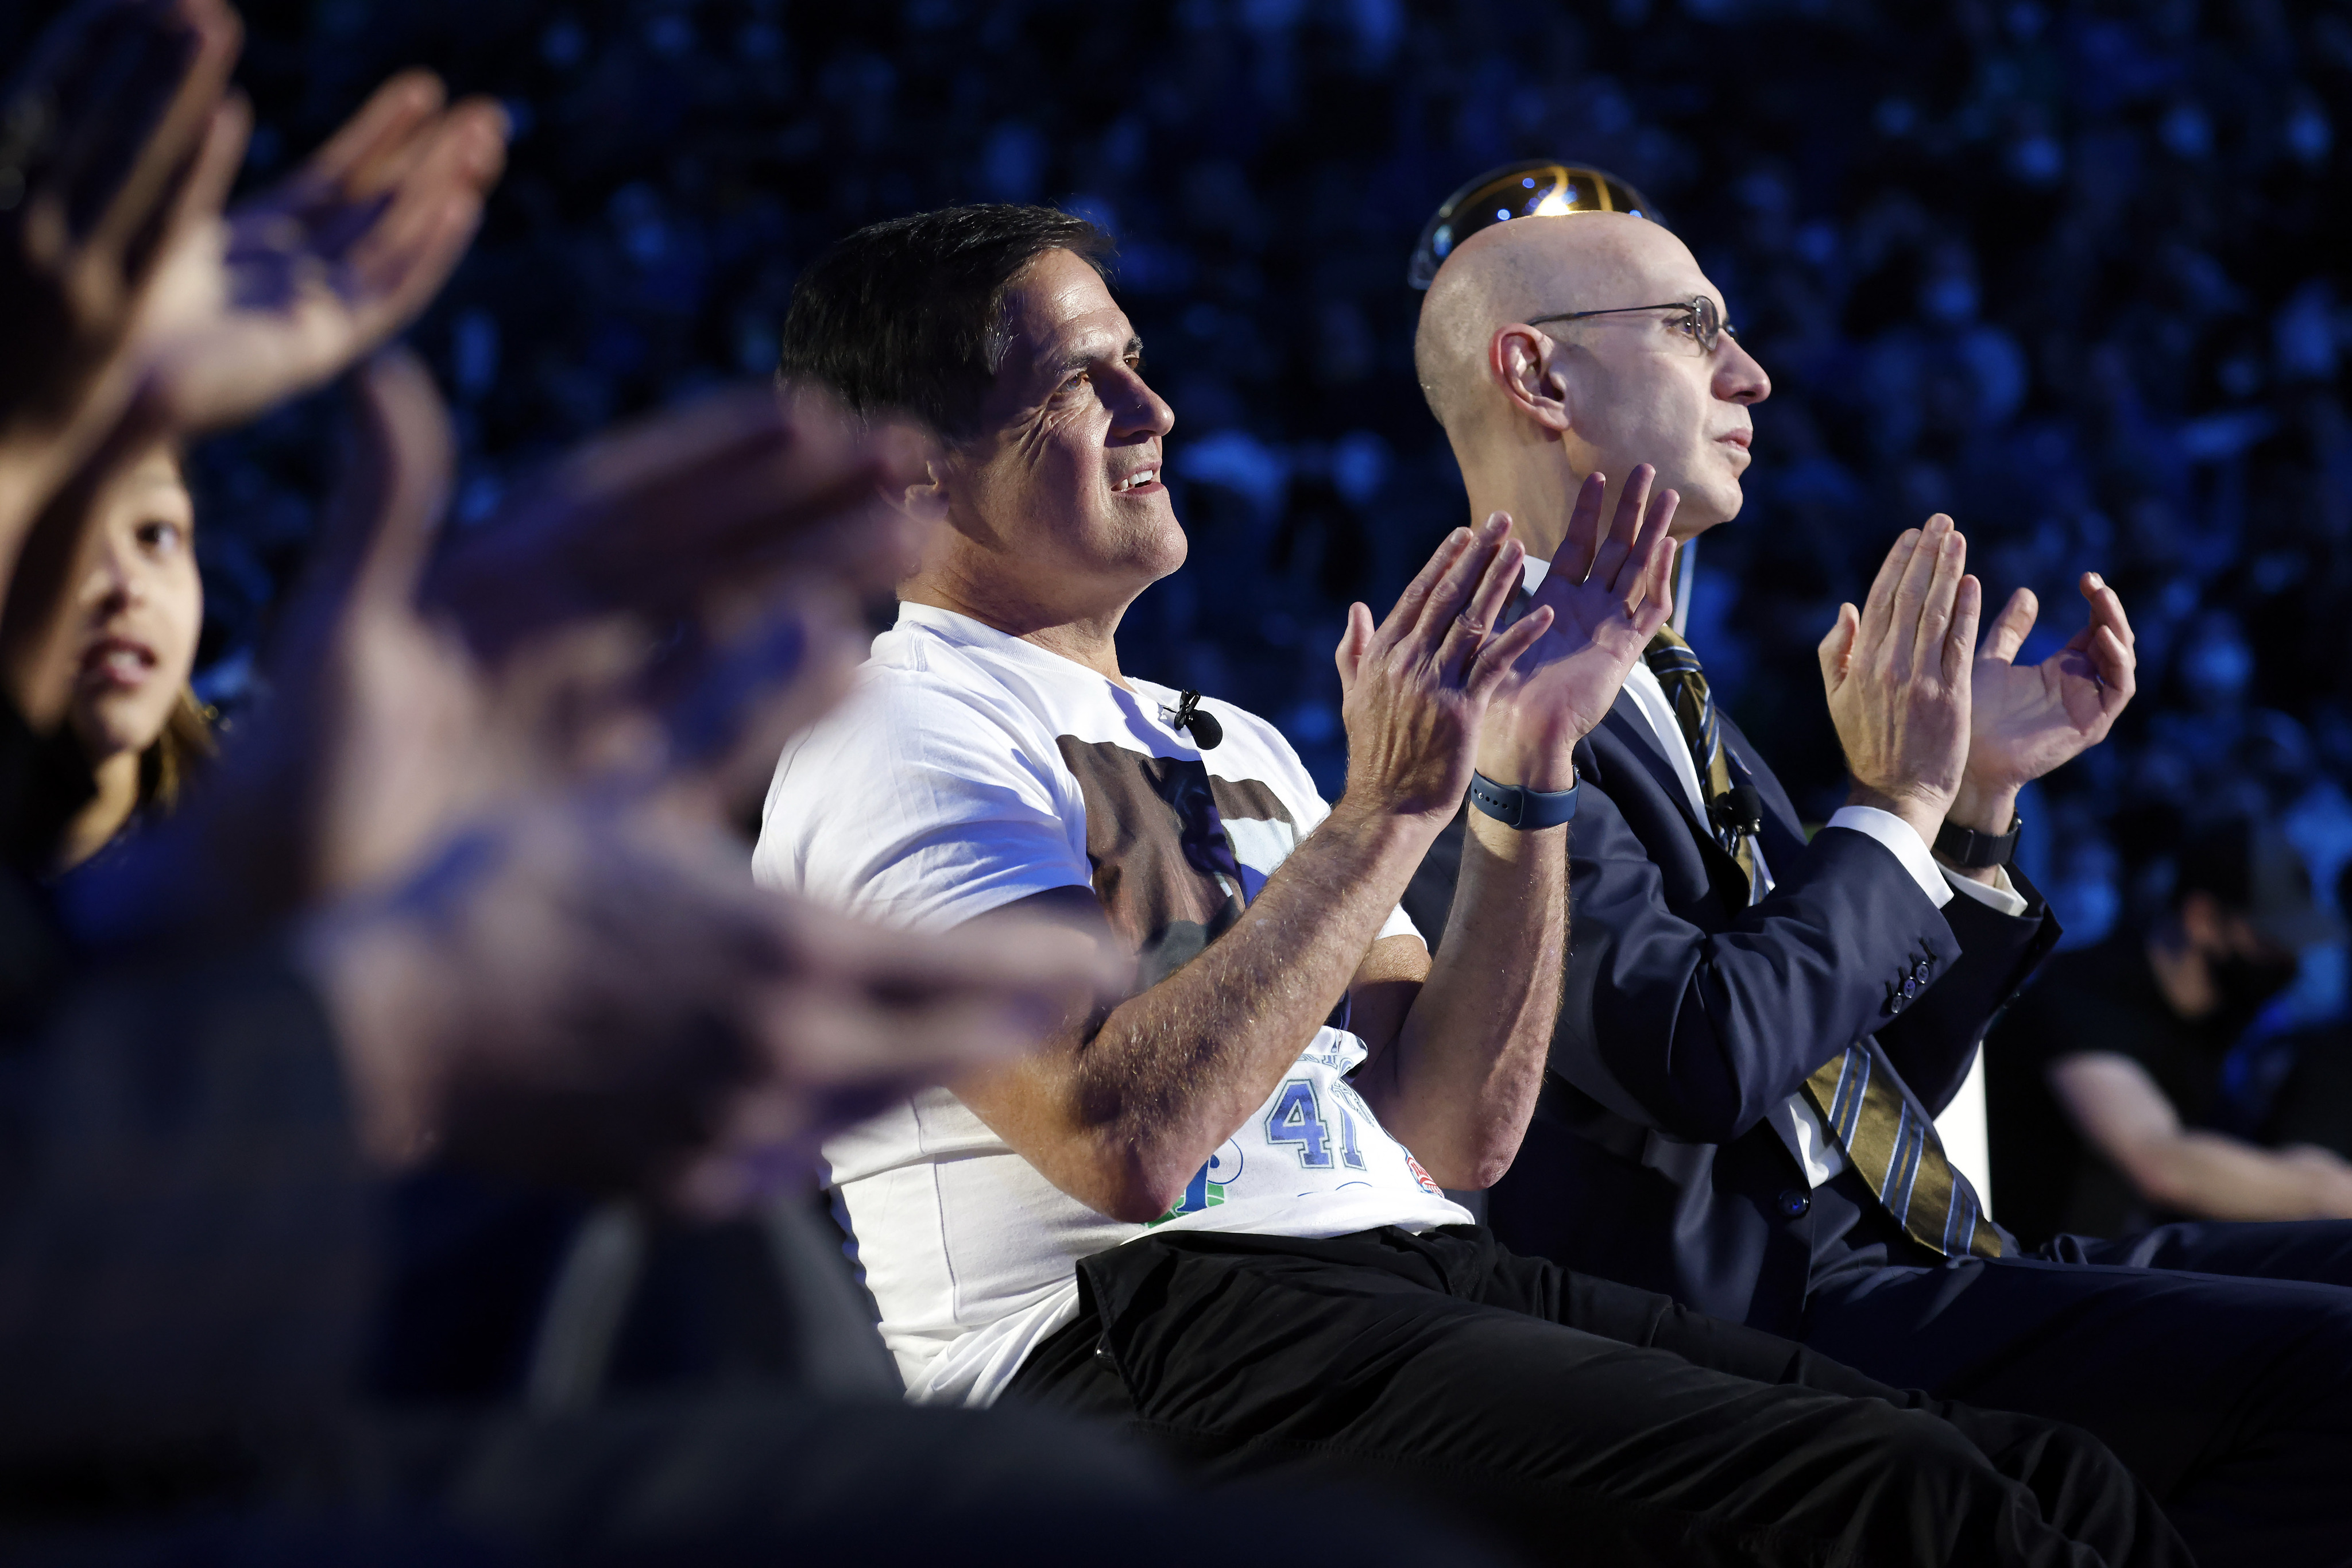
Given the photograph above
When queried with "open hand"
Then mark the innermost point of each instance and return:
(303, 282)
(1898, 674)
(116, 148)
(2026, 720)
(730, 491)
(573, 990)
(681, 596)
(1415, 690)
(1608, 592)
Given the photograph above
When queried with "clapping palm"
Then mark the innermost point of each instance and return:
(1608, 592)
(732, 543)
(2027, 719)
(294, 285)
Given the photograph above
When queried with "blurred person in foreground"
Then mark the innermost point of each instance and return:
(1757, 1030)
(139, 313)
(105, 633)
(1195, 1213)
(461, 890)
(2107, 1079)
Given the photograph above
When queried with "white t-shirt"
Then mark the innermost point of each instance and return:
(969, 769)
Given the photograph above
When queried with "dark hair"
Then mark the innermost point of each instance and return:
(177, 757)
(908, 314)
(2217, 859)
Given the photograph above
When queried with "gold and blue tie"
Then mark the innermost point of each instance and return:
(1677, 669)
(1893, 1147)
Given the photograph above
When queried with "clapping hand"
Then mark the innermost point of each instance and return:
(1606, 593)
(116, 148)
(671, 602)
(1898, 672)
(303, 281)
(581, 983)
(1415, 690)
(2026, 720)
(541, 961)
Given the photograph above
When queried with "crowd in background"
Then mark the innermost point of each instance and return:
(2060, 270)
(2064, 270)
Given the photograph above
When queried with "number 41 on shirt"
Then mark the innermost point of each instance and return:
(1297, 1118)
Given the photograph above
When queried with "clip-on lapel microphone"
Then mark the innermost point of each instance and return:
(1206, 730)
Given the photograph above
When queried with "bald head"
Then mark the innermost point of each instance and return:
(1530, 267)
(1529, 412)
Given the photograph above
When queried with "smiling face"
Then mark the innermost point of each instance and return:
(117, 645)
(1056, 511)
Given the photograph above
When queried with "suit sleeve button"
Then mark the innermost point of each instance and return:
(1910, 987)
(1919, 971)
(1794, 1202)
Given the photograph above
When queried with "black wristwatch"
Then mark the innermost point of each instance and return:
(1971, 850)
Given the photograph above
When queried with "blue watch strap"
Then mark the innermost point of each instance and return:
(1529, 811)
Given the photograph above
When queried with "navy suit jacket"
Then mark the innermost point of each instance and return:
(1688, 1015)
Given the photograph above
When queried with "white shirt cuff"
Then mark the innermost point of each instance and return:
(1903, 843)
(2001, 893)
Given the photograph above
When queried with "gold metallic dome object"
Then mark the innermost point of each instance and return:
(1535, 189)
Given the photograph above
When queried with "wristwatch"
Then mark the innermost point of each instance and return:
(1971, 850)
(1529, 811)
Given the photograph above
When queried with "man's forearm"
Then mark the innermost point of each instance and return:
(1459, 1083)
(2218, 1177)
(1122, 1122)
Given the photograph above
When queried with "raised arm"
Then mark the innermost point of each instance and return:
(1460, 1080)
(1121, 1109)
(1698, 1028)
(116, 147)
(1698, 1025)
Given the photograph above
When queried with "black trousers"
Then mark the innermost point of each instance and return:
(758, 1476)
(1573, 1419)
(2214, 1359)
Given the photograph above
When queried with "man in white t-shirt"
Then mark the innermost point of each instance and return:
(1214, 1210)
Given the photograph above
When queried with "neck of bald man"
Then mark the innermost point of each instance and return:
(1533, 481)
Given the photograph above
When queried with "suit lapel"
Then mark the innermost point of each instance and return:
(1784, 833)
(1634, 731)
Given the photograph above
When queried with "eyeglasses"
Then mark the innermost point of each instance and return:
(1540, 189)
(1699, 318)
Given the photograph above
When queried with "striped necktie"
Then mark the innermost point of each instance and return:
(1894, 1147)
(1896, 1151)
(1677, 669)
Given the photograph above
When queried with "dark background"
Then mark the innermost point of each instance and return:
(2074, 272)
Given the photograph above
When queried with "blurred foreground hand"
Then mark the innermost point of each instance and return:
(294, 286)
(133, 309)
(502, 815)
(116, 148)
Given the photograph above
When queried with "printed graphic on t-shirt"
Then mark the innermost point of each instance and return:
(973, 770)
(1165, 866)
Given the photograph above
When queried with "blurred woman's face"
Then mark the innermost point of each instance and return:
(122, 640)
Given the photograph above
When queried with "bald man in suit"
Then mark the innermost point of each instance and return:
(1759, 1029)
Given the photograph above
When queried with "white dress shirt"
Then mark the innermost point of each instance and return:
(1794, 1119)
